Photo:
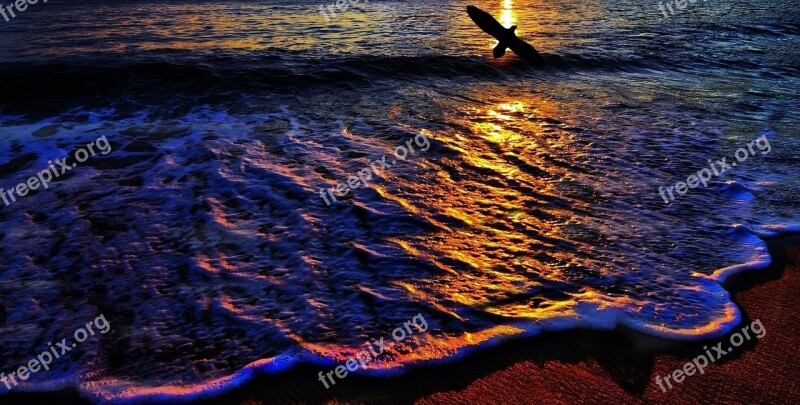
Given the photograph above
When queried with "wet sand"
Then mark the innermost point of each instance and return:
(622, 370)
(581, 366)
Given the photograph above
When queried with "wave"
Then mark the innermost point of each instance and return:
(440, 350)
(27, 84)
(239, 261)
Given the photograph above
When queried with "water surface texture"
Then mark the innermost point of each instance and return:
(202, 237)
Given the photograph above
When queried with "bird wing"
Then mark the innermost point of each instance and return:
(499, 50)
(486, 22)
(526, 51)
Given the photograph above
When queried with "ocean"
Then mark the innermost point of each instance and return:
(212, 236)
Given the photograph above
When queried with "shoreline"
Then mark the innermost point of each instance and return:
(575, 366)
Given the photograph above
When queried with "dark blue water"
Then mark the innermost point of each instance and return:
(203, 239)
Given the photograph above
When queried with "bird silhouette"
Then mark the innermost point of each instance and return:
(506, 36)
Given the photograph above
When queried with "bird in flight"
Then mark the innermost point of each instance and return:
(506, 36)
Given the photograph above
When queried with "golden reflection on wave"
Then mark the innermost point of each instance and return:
(507, 18)
(500, 234)
(507, 15)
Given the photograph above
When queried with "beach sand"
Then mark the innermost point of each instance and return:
(614, 369)
(580, 366)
